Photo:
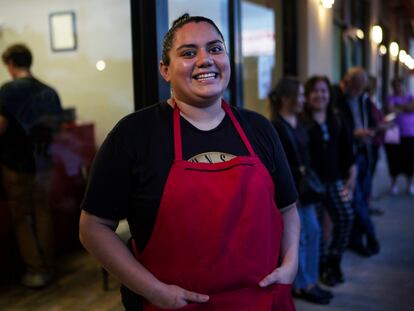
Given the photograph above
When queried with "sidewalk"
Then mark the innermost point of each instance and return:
(384, 282)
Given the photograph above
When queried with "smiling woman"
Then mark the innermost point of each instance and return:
(183, 189)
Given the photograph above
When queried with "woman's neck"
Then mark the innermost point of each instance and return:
(289, 117)
(319, 116)
(203, 118)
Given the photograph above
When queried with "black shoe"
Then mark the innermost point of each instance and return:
(360, 249)
(376, 211)
(311, 295)
(326, 293)
(373, 246)
(330, 272)
(328, 278)
(337, 271)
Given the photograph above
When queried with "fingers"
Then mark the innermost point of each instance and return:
(195, 297)
(270, 279)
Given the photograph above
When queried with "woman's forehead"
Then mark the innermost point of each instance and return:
(196, 33)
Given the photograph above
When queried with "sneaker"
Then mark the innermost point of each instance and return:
(411, 190)
(36, 280)
(326, 293)
(395, 190)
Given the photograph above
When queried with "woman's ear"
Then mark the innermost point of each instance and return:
(164, 71)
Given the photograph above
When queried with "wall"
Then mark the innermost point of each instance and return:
(315, 33)
(104, 33)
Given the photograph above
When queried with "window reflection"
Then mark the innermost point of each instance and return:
(259, 53)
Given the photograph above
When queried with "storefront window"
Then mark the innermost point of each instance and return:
(259, 53)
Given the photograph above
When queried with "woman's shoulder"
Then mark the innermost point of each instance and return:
(144, 119)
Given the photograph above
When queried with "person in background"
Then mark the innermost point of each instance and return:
(29, 116)
(401, 156)
(286, 102)
(206, 190)
(378, 138)
(333, 160)
(355, 107)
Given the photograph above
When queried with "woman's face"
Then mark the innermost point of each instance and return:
(319, 96)
(199, 69)
(297, 103)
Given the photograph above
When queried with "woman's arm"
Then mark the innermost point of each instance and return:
(98, 237)
(285, 274)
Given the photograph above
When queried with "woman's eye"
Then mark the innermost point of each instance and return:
(216, 49)
(188, 53)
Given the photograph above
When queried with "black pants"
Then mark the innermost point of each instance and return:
(401, 157)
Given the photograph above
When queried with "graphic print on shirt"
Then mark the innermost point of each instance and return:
(211, 157)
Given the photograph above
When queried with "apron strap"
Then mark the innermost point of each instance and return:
(178, 150)
(239, 129)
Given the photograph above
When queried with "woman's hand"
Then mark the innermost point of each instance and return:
(282, 275)
(174, 297)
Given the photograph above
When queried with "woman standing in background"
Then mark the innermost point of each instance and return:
(332, 158)
(401, 156)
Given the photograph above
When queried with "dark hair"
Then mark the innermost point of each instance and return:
(19, 55)
(286, 87)
(177, 24)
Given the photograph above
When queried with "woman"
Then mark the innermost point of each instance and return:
(196, 181)
(287, 101)
(333, 160)
(401, 157)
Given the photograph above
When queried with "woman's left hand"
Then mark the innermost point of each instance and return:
(282, 275)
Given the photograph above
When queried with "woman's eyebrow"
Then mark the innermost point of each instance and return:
(186, 46)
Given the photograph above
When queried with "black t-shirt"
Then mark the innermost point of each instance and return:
(131, 168)
(295, 142)
(33, 111)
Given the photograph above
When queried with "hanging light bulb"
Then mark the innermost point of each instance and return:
(376, 34)
(394, 49)
(382, 49)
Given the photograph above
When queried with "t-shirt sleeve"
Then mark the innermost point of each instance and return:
(108, 190)
(285, 189)
(270, 150)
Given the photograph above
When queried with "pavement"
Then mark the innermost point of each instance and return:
(384, 282)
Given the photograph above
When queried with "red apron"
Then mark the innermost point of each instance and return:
(218, 232)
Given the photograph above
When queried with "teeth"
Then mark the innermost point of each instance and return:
(206, 76)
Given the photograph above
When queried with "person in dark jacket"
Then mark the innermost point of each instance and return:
(355, 106)
(333, 160)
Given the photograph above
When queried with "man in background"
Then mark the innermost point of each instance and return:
(355, 106)
(29, 116)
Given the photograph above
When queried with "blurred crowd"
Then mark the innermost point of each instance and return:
(332, 135)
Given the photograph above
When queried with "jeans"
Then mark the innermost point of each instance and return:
(308, 268)
(363, 225)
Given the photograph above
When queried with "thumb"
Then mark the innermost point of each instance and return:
(195, 297)
(270, 279)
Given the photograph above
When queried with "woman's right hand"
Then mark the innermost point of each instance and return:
(175, 297)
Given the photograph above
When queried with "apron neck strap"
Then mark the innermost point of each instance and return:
(178, 150)
(239, 129)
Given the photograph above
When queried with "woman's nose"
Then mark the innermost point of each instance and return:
(204, 58)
